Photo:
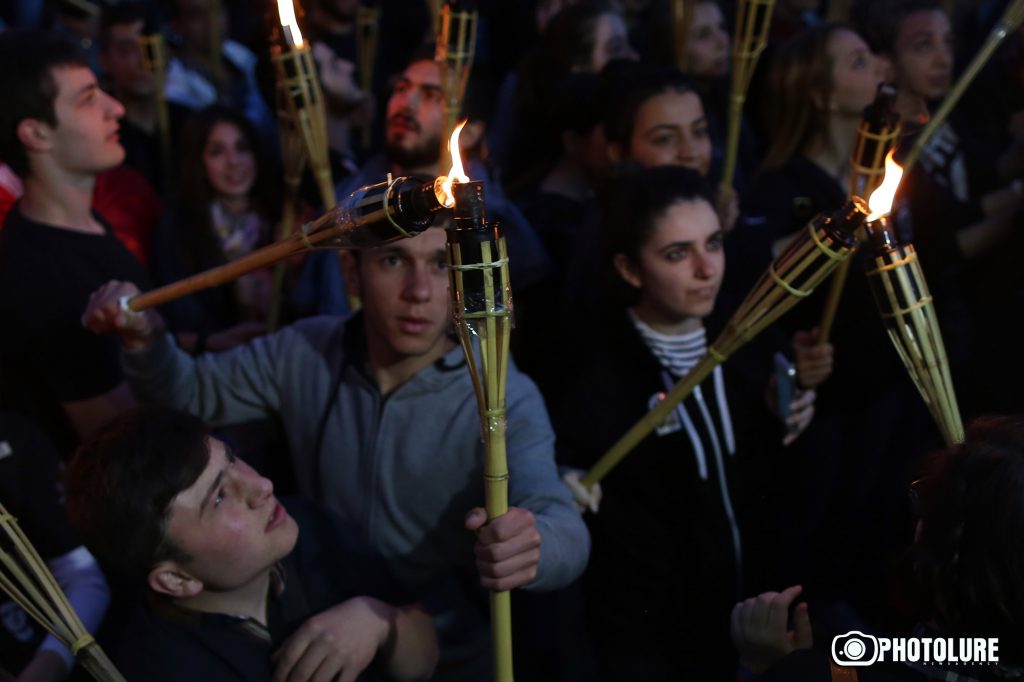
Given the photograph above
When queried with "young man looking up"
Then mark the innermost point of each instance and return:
(58, 130)
(235, 590)
(383, 429)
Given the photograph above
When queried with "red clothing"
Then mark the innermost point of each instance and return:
(129, 203)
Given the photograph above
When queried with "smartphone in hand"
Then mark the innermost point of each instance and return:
(785, 384)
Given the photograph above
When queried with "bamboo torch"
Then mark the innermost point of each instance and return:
(456, 48)
(827, 241)
(370, 216)
(1009, 22)
(302, 124)
(682, 16)
(25, 577)
(877, 133)
(482, 309)
(154, 60)
(908, 312)
(753, 19)
(367, 32)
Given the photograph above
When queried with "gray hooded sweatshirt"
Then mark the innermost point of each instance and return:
(404, 468)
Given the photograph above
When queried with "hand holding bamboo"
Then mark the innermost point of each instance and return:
(482, 310)
(827, 241)
(370, 216)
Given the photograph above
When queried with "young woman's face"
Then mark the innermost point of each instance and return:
(923, 55)
(671, 130)
(855, 72)
(681, 265)
(230, 161)
(707, 44)
(611, 41)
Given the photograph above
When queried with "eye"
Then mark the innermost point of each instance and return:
(677, 254)
(663, 140)
(390, 261)
(218, 498)
(441, 264)
(715, 242)
(700, 130)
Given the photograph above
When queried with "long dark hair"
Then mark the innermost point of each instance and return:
(796, 94)
(198, 246)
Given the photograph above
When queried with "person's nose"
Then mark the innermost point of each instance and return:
(417, 286)
(704, 265)
(258, 489)
(114, 108)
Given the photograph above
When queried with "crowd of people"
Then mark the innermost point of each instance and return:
(253, 483)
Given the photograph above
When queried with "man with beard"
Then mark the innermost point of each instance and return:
(413, 147)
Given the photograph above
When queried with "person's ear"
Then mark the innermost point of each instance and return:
(616, 153)
(627, 270)
(167, 577)
(350, 272)
(34, 135)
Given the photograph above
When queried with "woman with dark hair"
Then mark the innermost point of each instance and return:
(666, 560)
(226, 209)
(581, 38)
(967, 571)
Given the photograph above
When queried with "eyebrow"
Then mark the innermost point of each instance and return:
(86, 89)
(675, 245)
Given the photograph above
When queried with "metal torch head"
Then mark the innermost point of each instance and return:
(842, 224)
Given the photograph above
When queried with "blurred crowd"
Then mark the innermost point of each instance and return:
(767, 515)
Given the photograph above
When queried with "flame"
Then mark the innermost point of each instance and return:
(286, 10)
(880, 202)
(457, 173)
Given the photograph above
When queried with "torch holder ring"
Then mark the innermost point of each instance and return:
(825, 249)
(480, 266)
(893, 265)
(386, 200)
(800, 293)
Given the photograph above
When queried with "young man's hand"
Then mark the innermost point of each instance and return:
(336, 644)
(814, 360)
(105, 315)
(759, 628)
(507, 548)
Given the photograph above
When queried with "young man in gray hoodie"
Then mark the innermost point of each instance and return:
(383, 429)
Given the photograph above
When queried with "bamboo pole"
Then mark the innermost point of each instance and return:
(908, 312)
(682, 17)
(826, 242)
(25, 577)
(1009, 22)
(302, 123)
(753, 19)
(367, 32)
(482, 307)
(877, 134)
(154, 60)
(370, 216)
(455, 52)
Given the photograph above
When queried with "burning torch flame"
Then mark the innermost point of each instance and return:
(880, 202)
(286, 10)
(456, 174)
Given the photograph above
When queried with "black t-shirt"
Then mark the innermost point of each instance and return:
(330, 564)
(29, 489)
(46, 356)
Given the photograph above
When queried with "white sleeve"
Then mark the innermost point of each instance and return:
(82, 581)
